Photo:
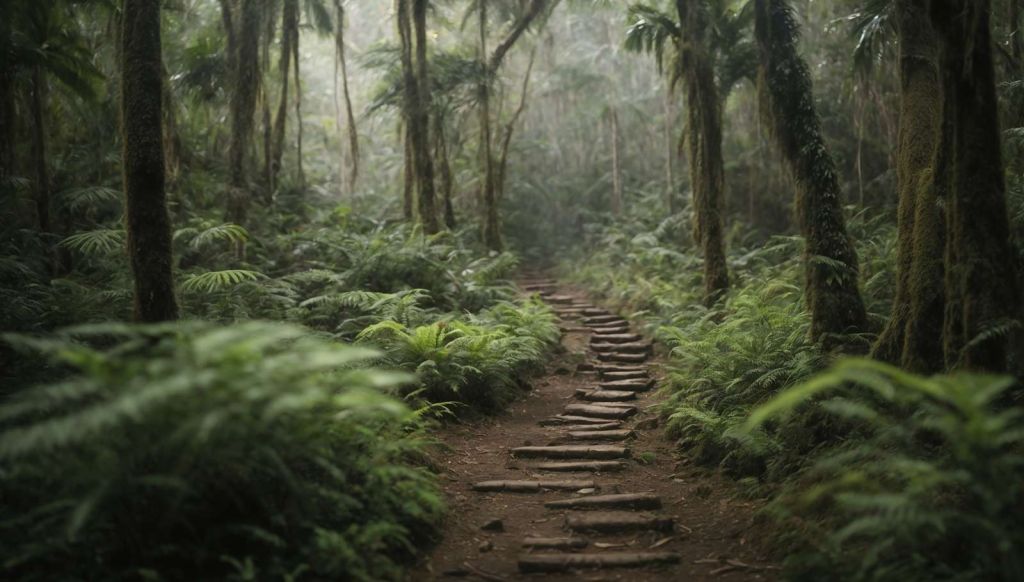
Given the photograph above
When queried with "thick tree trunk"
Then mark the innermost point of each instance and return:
(491, 223)
(298, 110)
(40, 169)
(981, 293)
(707, 166)
(353, 134)
(289, 28)
(148, 225)
(616, 163)
(408, 175)
(670, 153)
(421, 104)
(446, 177)
(832, 270)
(913, 335)
(6, 101)
(244, 90)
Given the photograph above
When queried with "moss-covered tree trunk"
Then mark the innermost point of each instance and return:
(289, 29)
(832, 269)
(981, 290)
(491, 228)
(245, 87)
(913, 335)
(147, 221)
(446, 177)
(353, 133)
(408, 175)
(613, 130)
(421, 115)
(704, 139)
(40, 166)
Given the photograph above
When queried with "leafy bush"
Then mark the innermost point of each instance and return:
(192, 451)
(931, 488)
(481, 363)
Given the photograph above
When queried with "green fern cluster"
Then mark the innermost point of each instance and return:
(481, 363)
(931, 488)
(192, 451)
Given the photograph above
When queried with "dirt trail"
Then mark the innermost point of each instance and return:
(645, 515)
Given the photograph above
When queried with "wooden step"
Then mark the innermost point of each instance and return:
(597, 452)
(630, 348)
(594, 411)
(617, 522)
(632, 501)
(610, 330)
(555, 563)
(601, 368)
(560, 299)
(640, 385)
(619, 376)
(602, 435)
(582, 467)
(596, 312)
(564, 544)
(564, 419)
(604, 320)
(613, 425)
(532, 486)
(623, 358)
(605, 395)
(615, 338)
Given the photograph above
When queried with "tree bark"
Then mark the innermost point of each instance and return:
(289, 28)
(446, 177)
(613, 118)
(408, 175)
(421, 114)
(147, 221)
(353, 133)
(40, 168)
(832, 269)
(244, 90)
(913, 334)
(491, 221)
(980, 283)
(707, 166)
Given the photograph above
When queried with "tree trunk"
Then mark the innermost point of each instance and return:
(670, 152)
(832, 270)
(447, 180)
(491, 225)
(6, 102)
(289, 28)
(613, 116)
(409, 175)
(245, 87)
(40, 169)
(147, 222)
(510, 129)
(298, 110)
(707, 167)
(913, 335)
(980, 283)
(353, 134)
(420, 105)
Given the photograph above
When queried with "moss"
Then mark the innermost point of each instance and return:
(832, 269)
(148, 224)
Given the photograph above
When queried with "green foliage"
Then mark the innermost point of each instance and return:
(195, 451)
(930, 489)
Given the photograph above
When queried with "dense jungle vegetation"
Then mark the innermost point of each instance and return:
(253, 253)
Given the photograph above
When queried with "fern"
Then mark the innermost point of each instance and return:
(216, 281)
(96, 242)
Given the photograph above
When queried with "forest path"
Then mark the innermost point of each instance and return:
(576, 481)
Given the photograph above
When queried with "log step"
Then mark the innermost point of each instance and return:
(614, 425)
(595, 411)
(603, 319)
(619, 376)
(608, 368)
(565, 419)
(625, 358)
(582, 467)
(630, 348)
(564, 544)
(611, 330)
(616, 522)
(601, 435)
(598, 452)
(596, 312)
(640, 385)
(605, 395)
(560, 299)
(618, 501)
(554, 563)
(615, 338)
(532, 486)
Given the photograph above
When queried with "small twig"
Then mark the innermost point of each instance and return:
(483, 574)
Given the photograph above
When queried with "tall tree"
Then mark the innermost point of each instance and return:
(704, 136)
(353, 133)
(244, 43)
(147, 221)
(832, 270)
(980, 283)
(913, 335)
(289, 31)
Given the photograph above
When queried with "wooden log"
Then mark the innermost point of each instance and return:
(594, 311)
(604, 320)
(532, 486)
(560, 299)
(595, 411)
(605, 395)
(605, 368)
(610, 329)
(624, 358)
(564, 419)
(617, 522)
(582, 467)
(602, 435)
(617, 501)
(555, 563)
(564, 544)
(618, 376)
(640, 385)
(614, 425)
(615, 338)
(597, 452)
(630, 348)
